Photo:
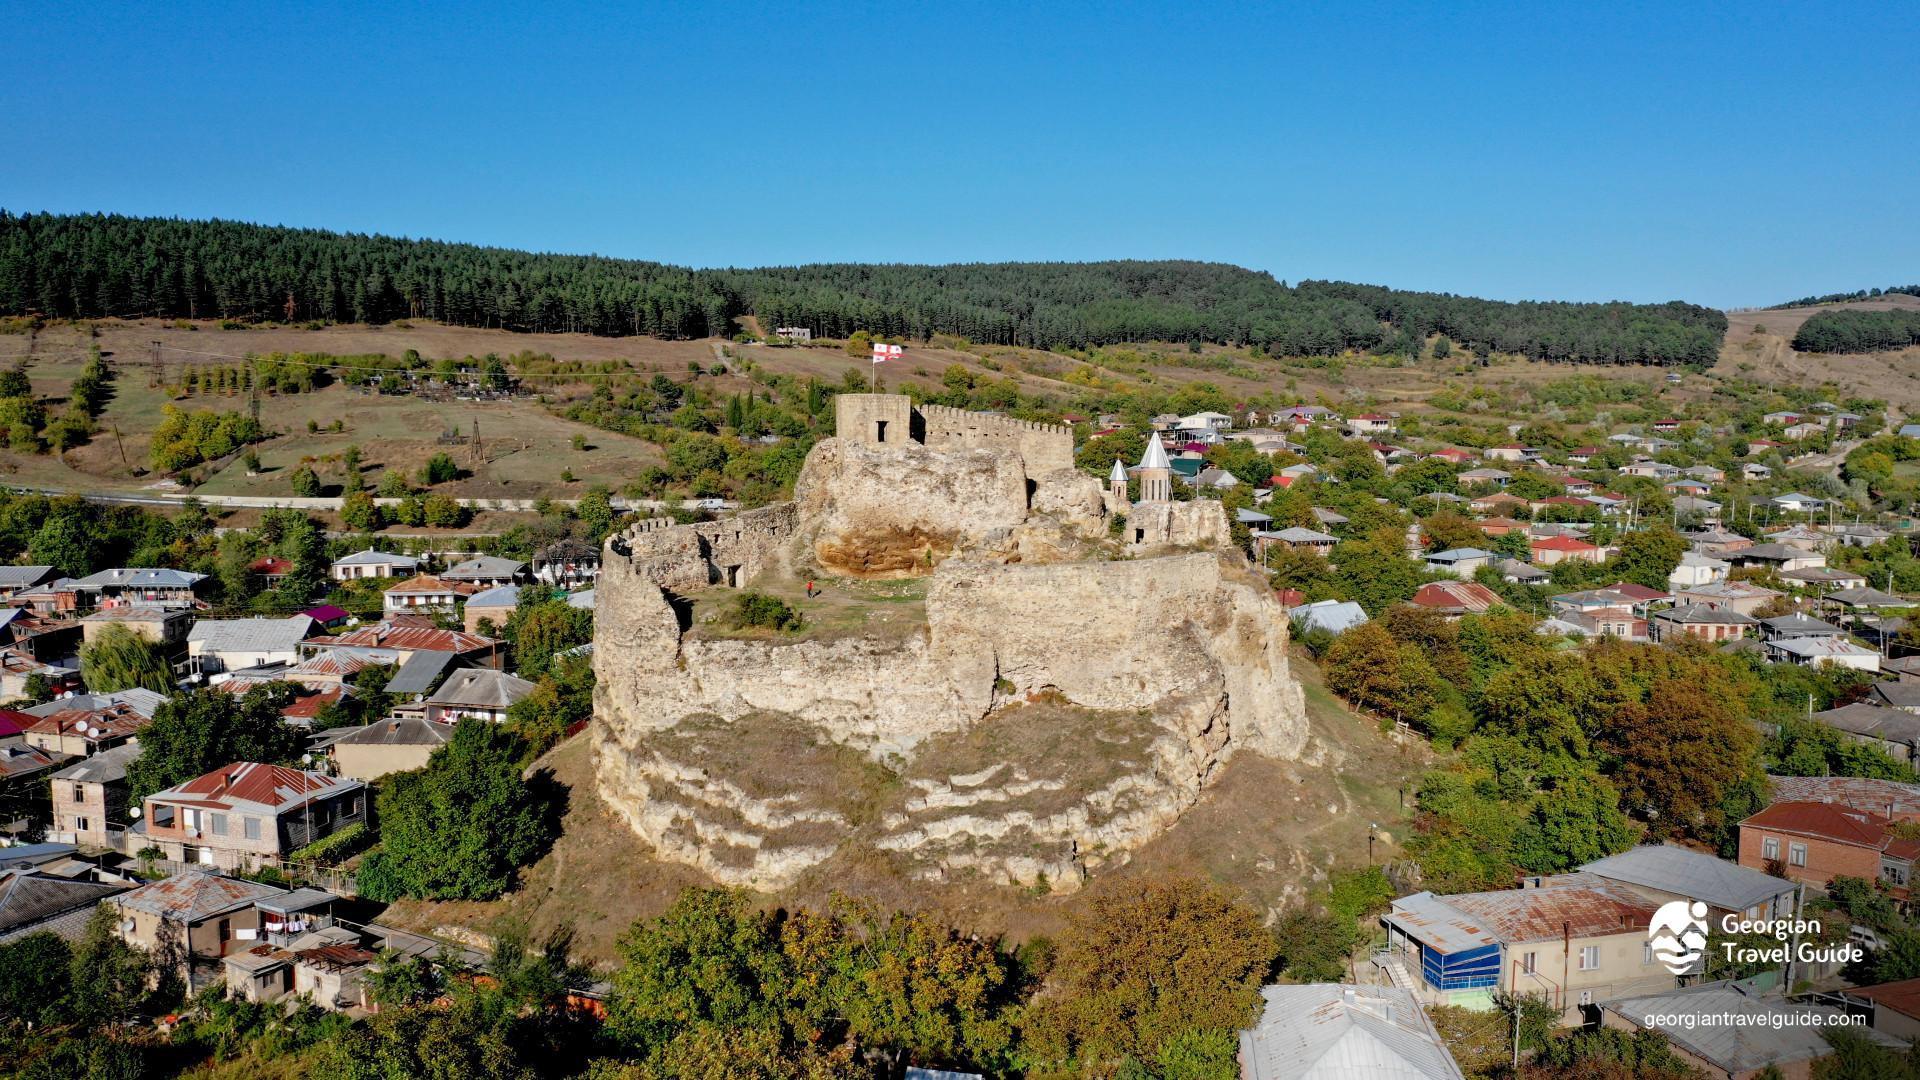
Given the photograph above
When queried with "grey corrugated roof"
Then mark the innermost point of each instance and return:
(194, 895)
(18, 577)
(1155, 455)
(418, 672)
(484, 566)
(252, 635)
(582, 599)
(1694, 874)
(105, 767)
(481, 688)
(1731, 1045)
(141, 577)
(498, 596)
(396, 731)
(1700, 613)
(1868, 598)
(1457, 554)
(1324, 1031)
(139, 699)
(1332, 615)
(28, 898)
(371, 557)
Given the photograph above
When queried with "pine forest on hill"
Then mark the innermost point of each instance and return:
(96, 266)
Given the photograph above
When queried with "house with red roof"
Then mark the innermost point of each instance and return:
(239, 814)
(272, 568)
(1815, 842)
(1548, 550)
(1453, 454)
(1581, 455)
(1456, 598)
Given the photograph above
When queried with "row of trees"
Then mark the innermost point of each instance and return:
(1849, 331)
(84, 266)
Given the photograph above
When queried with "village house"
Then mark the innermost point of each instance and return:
(167, 626)
(1548, 550)
(1796, 503)
(190, 920)
(1741, 596)
(1499, 502)
(567, 563)
(374, 564)
(1780, 557)
(1456, 598)
(37, 901)
(1762, 1035)
(476, 694)
(1823, 579)
(1666, 872)
(1576, 939)
(494, 606)
(1780, 419)
(1822, 651)
(1897, 800)
(486, 571)
(139, 586)
(1459, 562)
(1695, 620)
(1893, 731)
(1800, 432)
(271, 569)
(395, 744)
(425, 593)
(240, 814)
(1506, 452)
(1815, 842)
(14, 579)
(1370, 424)
(1894, 1008)
(18, 667)
(222, 645)
(1328, 1031)
(394, 638)
(1495, 477)
(85, 724)
(1798, 624)
(1753, 470)
(1695, 570)
(90, 798)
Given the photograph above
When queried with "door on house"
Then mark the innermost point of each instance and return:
(226, 935)
(733, 577)
(879, 431)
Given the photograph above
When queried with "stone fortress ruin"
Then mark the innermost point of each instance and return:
(996, 677)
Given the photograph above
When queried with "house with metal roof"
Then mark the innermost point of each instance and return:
(374, 564)
(1895, 731)
(86, 724)
(395, 744)
(139, 585)
(90, 797)
(1456, 598)
(1329, 1031)
(1816, 651)
(219, 645)
(1815, 842)
(1462, 562)
(486, 571)
(190, 920)
(15, 578)
(425, 592)
(1663, 872)
(1700, 621)
(476, 694)
(34, 902)
(1333, 616)
(391, 639)
(1752, 1031)
(1576, 939)
(494, 605)
(1895, 799)
(239, 814)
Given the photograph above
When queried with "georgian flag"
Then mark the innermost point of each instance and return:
(883, 353)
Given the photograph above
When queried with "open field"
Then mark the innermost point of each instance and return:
(1268, 828)
(527, 450)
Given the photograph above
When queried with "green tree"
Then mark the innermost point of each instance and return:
(65, 542)
(462, 827)
(1146, 963)
(1647, 556)
(359, 512)
(305, 482)
(108, 977)
(118, 658)
(35, 978)
(711, 958)
(196, 732)
(439, 469)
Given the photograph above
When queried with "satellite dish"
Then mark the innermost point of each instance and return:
(133, 811)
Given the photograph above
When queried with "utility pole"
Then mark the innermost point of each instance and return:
(158, 375)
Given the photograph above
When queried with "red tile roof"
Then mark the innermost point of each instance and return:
(1836, 824)
(427, 583)
(271, 564)
(1561, 543)
(406, 635)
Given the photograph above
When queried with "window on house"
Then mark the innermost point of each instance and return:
(1646, 953)
(1589, 959)
(79, 824)
(163, 816)
(1770, 848)
(217, 824)
(1895, 875)
(1797, 854)
(250, 827)
(1526, 963)
(79, 793)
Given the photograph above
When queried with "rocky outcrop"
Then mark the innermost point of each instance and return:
(875, 511)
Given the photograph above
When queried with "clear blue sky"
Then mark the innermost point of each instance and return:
(1725, 154)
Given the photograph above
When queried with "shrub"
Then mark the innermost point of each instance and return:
(754, 610)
